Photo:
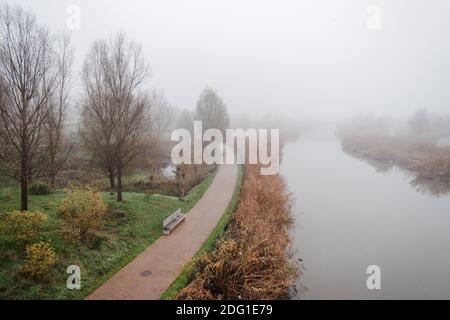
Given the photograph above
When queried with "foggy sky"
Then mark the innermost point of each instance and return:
(311, 59)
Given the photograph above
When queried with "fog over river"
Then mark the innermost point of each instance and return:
(350, 215)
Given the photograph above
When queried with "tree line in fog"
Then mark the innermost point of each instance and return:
(124, 124)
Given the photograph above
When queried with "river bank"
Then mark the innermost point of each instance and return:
(429, 162)
(251, 260)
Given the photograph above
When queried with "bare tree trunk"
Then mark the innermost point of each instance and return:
(51, 174)
(112, 182)
(119, 184)
(24, 184)
(30, 175)
(53, 180)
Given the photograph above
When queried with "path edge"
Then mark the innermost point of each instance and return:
(116, 269)
(181, 280)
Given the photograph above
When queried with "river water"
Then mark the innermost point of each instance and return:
(350, 215)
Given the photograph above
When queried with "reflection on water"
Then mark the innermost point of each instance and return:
(431, 187)
(379, 166)
(349, 216)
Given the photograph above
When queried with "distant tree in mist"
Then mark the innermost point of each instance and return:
(212, 111)
(163, 116)
(420, 122)
(58, 145)
(115, 110)
(28, 80)
(185, 120)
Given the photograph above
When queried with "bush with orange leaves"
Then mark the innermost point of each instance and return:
(252, 259)
(40, 257)
(22, 226)
(81, 209)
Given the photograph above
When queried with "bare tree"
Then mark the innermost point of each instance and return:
(128, 135)
(212, 111)
(185, 120)
(96, 130)
(115, 107)
(58, 145)
(25, 67)
(97, 141)
(163, 116)
(420, 122)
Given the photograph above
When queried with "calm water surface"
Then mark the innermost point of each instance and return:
(350, 215)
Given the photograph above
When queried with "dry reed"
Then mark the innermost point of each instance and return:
(252, 259)
(420, 156)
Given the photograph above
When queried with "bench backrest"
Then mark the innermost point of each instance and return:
(171, 217)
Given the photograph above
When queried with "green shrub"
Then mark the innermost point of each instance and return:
(39, 189)
(81, 209)
(40, 257)
(22, 226)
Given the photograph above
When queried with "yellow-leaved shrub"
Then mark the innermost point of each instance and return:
(40, 257)
(23, 226)
(81, 209)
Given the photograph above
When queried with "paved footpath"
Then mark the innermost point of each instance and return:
(166, 257)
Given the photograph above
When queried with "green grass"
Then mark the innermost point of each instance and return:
(183, 278)
(129, 227)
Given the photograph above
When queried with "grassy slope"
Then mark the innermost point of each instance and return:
(182, 280)
(129, 228)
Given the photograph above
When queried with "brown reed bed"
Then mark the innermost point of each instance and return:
(252, 260)
(423, 157)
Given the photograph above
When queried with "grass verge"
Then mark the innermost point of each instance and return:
(129, 227)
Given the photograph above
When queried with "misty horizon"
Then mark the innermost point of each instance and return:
(309, 61)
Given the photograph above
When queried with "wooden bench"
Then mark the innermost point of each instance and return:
(172, 221)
